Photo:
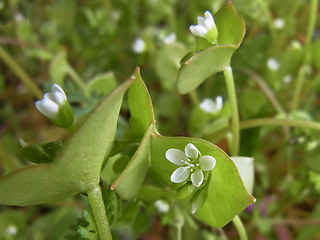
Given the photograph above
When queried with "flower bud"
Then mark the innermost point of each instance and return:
(56, 107)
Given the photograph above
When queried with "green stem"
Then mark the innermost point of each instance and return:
(99, 213)
(234, 111)
(266, 89)
(267, 122)
(306, 57)
(194, 98)
(240, 227)
(311, 27)
(267, 13)
(76, 78)
(298, 90)
(179, 231)
(20, 73)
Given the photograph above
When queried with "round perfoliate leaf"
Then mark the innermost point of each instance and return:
(201, 65)
(223, 190)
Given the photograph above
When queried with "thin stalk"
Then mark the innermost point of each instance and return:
(311, 27)
(266, 90)
(262, 122)
(99, 213)
(298, 90)
(194, 98)
(265, 10)
(179, 232)
(76, 78)
(234, 111)
(303, 68)
(240, 228)
(20, 73)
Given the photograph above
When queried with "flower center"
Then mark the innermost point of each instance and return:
(191, 164)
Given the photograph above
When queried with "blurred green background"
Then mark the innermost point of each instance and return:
(74, 43)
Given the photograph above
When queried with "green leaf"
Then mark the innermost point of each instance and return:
(40, 153)
(211, 60)
(102, 84)
(140, 105)
(76, 168)
(226, 194)
(129, 182)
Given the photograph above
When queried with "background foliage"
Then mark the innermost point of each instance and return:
(76, 43)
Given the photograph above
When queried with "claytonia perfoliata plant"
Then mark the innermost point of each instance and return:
(206, 28)
(210, 106)
(56, 107)
(190, 161)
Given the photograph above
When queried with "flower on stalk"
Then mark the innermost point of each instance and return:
(190, 161)
(56, 107)
(206, 28)
(210, 106)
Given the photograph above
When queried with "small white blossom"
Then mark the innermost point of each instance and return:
(206, 27)
(210, 106)
(138, 45)
(51, 101)
(190, 161)
(273, 64)
(12, 230)
(287, 79)
(278, 23)
(19, 17)
(171, 38)
(162, 206)
(56, 107)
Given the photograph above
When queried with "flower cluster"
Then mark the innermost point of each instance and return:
(190, 161)
(56, 107)
(206, 28)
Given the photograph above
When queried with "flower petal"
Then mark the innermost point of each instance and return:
(207, 162)
(209, 21)
(175, 156)
(197, 178)
(57, 88)
(180, 174)
(201, 21)
(219, 103)
(191, 151)
(59, 98)
(207, 105)
(198, 30)
(47, 107)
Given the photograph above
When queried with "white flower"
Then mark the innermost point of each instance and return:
(206, 27)
(210, 106)
(162, 206)
(273, 64)
(287, 79)
(138, 45)
(12, 230)
(278, 23)
(56, 107)
(171, 38)
(190, 161)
